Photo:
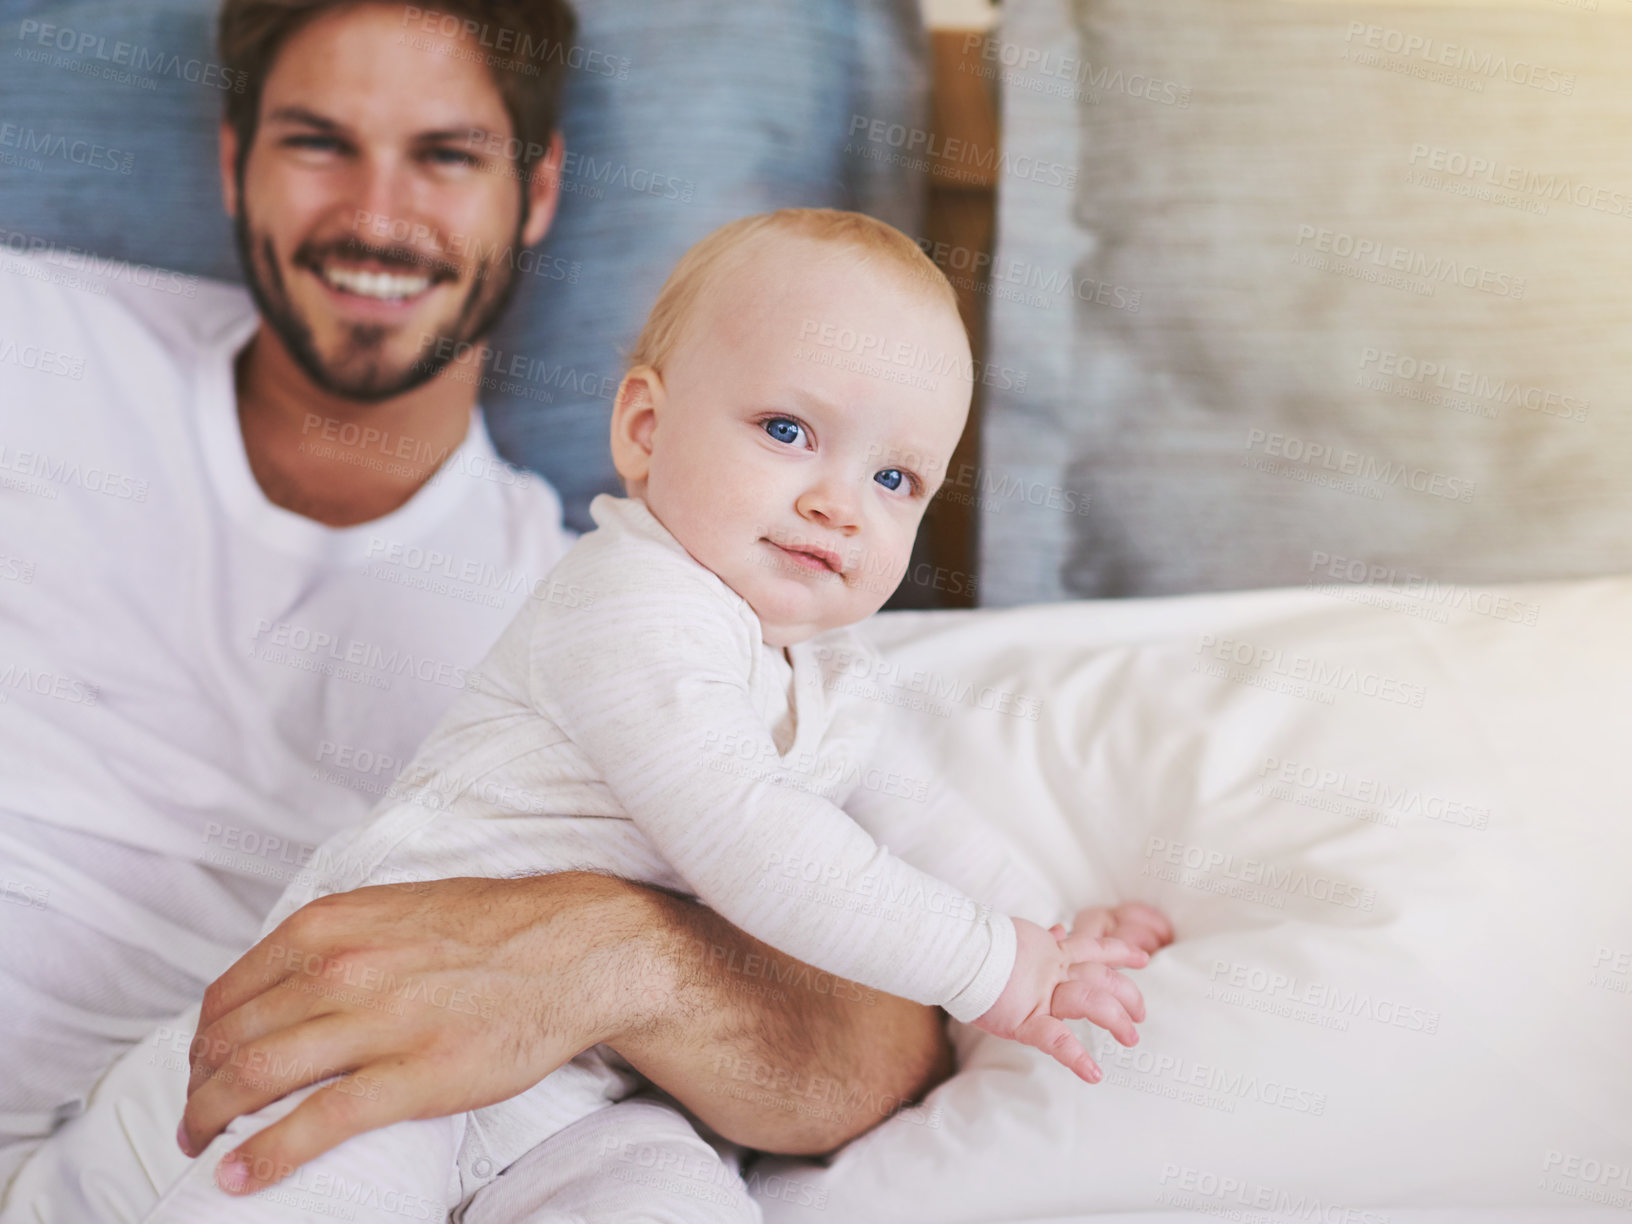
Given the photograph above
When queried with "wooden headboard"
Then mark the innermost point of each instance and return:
(959, 228)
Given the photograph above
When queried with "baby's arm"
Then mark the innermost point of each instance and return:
(651, 685)
(1056, 976)
(931, 825)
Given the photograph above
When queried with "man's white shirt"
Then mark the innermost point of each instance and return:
(197, 687)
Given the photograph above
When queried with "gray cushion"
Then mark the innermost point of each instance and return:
(727, 107)
(1347, 297)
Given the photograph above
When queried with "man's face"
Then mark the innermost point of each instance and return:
(371, 223)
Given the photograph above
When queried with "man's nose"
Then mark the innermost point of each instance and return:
(382, 195)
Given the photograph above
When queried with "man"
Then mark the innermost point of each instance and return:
(213, 672)
(228, 642)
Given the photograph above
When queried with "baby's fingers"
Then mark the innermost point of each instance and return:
(1080, 1000)
(1143, 925)
(1109, 979)
(1096, 920)
(1060, 1043)
(1081, 946)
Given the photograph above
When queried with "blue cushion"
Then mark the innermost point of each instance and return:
(717, 108)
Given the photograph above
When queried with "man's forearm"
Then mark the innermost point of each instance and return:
(767, 1051)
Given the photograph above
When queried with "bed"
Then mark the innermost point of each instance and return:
(1395, 852)
(1394, 849)
(1383, 792)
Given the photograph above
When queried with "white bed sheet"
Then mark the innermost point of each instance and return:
(1345, 1215)
(1403, 976)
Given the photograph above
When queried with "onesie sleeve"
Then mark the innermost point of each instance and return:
(931, 825)
(652, 685)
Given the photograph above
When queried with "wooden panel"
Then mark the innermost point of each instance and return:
(959, 228)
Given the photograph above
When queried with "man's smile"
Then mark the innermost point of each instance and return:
(376, 284)
(383, 286)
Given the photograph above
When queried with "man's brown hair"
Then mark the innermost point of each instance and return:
(526, 45)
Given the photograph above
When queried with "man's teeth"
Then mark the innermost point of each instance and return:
(376, 284)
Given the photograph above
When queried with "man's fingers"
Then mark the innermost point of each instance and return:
(250, 975)
(1060, 1043)
(370, 1099)
(258, 970)
(295, 945)
(260, 1073)
(219, 1044)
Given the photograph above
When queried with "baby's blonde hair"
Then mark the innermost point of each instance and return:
(703, 263)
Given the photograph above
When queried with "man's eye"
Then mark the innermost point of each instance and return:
(312, 142)
(784, 429)
(452, 157)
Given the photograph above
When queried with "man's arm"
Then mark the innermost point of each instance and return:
(770, 1052)
(436, 998)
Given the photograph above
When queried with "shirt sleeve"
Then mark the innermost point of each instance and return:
(652, 686)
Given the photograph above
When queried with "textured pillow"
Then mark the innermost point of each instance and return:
(1332, 291)
(695, 112)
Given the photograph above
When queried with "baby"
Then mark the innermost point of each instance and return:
(666, 714)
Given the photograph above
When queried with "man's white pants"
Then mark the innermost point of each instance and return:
(98, 946)
(637, 1159)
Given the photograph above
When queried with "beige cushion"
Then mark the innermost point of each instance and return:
(1351, 296)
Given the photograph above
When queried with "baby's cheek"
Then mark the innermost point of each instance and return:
(879, 581)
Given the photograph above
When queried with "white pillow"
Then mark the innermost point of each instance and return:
(1397, 854)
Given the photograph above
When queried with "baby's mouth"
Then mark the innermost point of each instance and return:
(817, 560)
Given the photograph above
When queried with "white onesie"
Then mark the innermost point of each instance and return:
(634, 722)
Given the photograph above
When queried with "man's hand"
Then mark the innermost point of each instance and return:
(427, 999)
(433, 999)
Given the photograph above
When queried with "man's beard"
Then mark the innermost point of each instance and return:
(359, 371)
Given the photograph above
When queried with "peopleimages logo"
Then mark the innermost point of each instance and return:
(1361, 466)
(508, 41)
(952, 151)
(1066, 68)
(1443, 54)
(101, 268)
(52, 144)
(1543, 185)
(1408, 262)
(88, 45)
(1343, 677)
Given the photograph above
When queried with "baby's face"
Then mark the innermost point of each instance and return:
(802, 426)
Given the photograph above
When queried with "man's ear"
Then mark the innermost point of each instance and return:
(228, 146)
(543, 189)
(641, 397)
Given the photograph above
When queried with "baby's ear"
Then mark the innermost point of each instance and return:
(634, 420)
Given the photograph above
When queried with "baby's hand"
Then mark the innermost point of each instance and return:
(1067, 977)
(1132, 922)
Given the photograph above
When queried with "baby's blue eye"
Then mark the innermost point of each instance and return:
(784, 429)
(891, 478)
